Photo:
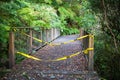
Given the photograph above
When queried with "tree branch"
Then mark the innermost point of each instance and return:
(106, 19)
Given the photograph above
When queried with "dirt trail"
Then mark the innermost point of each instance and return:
(61, 70)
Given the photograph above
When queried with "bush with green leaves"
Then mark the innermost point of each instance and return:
(107, 53)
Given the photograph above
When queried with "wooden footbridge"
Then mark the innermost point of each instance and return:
(50, 56)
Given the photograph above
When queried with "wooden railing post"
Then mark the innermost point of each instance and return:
(81, 34)
(11, 50)
(31, 40)
(91, 54)
(41, 36)
(52, 34)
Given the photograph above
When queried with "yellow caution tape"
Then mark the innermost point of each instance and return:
(58, 59)
(28, 56)
(91, 35)
(33, 37)
(68, 42)
(39, 40)
(74, 54)
(51, 44)
(87, 50)
(14, 30)
(82, 37)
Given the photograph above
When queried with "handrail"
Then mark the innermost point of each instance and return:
(88, 50)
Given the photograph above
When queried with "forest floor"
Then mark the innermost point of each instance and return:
(74, 68)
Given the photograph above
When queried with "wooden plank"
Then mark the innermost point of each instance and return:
(52, 34)
(39, 36)
(85, 40)
(11, 50)
(81, 34)
(47, 35)
(41, 33)
(91, 54)
(66, 72)
(55, 33)
(31, 40)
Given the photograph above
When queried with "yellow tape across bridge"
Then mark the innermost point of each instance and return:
(51, 44)
(58, 59)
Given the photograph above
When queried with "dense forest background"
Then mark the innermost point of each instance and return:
(99, 17)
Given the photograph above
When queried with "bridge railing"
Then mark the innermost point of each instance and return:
(22, 39)
(27, 39)
(88, 42)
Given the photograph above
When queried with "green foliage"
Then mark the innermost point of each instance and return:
(46, 16)
(69, 31)
(107, 61)
(66, 13)
(4, 33)
(9, 14)
(86, 17)
(21, 13)
(48, 1)
(4, 40)
(59, 1)
(19, 58)
(106, 58)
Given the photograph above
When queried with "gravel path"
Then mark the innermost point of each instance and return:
(70, 69)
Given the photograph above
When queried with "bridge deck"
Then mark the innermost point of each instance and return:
(70, 69)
